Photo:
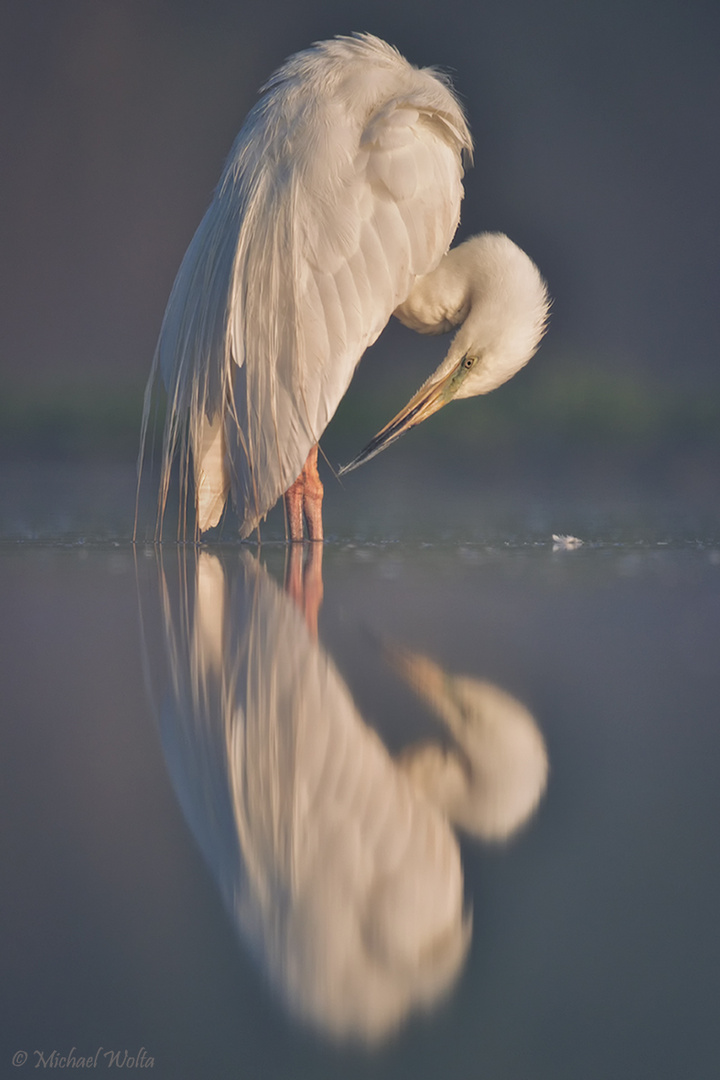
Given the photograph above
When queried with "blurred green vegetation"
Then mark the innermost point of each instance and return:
(70, 421)
(549, 409)
(555, 409)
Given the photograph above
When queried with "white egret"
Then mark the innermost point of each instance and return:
(491, 780)
(344, 881)
(338, 863)
(336, 209)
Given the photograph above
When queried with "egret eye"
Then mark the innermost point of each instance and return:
(469, 362)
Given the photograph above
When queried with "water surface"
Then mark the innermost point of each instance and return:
(591, 948)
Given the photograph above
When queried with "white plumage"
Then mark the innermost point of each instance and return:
(343, 880)
(330, 204)
(340, 194)
(337, 863)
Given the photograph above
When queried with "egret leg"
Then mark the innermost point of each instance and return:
(293, 508)
(304, 499)
(304, 583)
(313, 496)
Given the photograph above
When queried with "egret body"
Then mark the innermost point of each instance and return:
(336, 209)
(337, 862)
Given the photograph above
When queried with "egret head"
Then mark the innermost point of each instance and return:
(495, 293)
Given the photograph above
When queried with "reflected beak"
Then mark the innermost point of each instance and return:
(431, 397)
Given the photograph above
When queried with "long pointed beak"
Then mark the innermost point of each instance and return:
(431, 396)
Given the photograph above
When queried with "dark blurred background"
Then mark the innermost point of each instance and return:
(596, 127)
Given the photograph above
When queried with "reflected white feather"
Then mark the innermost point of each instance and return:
(492, 776)
(341, 877)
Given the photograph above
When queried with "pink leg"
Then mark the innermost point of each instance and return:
(304, 583)
(294, 576)
(304, 497)
(293, 508)
(313, 588)
(313, 496)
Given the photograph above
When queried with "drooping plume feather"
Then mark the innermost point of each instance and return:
(342, 188)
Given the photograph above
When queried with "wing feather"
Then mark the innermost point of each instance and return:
(343, 186)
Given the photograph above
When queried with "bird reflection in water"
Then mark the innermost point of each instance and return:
(338, 864)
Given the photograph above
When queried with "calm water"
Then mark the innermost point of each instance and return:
(242, 848)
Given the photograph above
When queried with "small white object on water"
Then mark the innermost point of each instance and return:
(565, 543)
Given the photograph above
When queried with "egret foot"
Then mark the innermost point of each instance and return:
(304, 498)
